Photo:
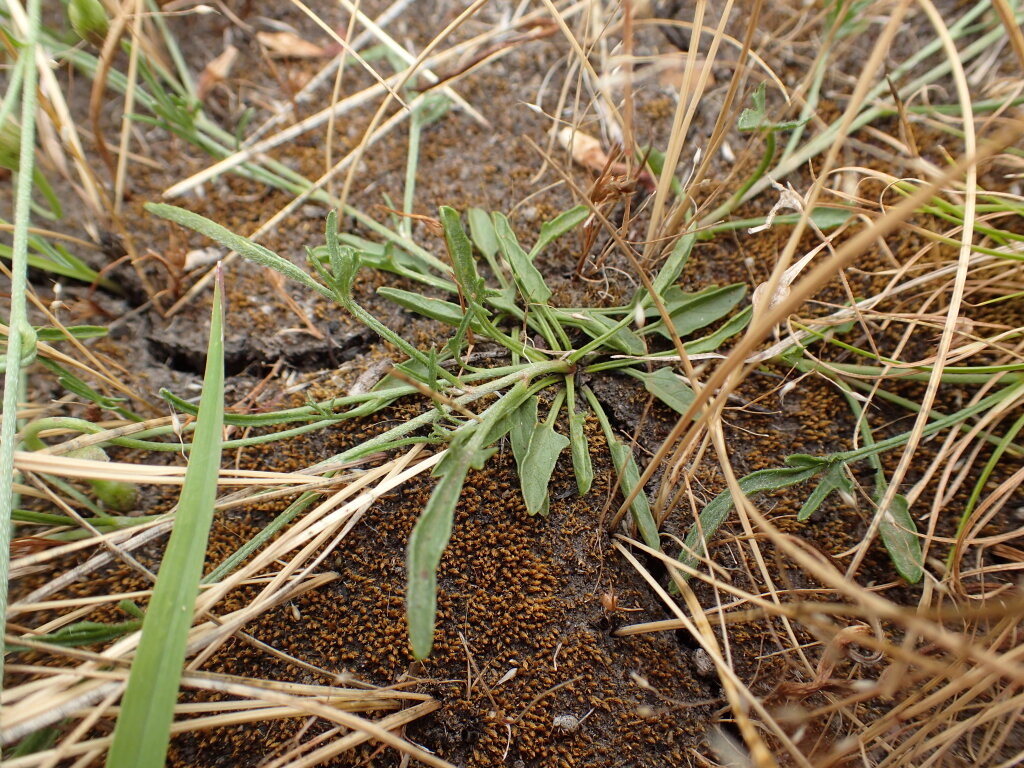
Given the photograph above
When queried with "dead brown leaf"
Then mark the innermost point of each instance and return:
(217, 71)
(291, 46)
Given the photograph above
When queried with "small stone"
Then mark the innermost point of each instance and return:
(566, 723)
(703, 664)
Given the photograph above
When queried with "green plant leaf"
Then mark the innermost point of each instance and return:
(73, 331)
(629, 474)
(142, 732)
(597, 326)
(727, 330)
(482, 232)
(528, 278)
(429, 537)
(673, 266)
(753, 119)
(899, 535)
(582, 467)
(87, 633)
(432, 531)
(834, 479)
(436, 309)
(558, 226)
(244, 247)
(691, 311)
(37, 741)
(343, 259)
(665, 385)
(524, 418)
(461, 252)
(717, 510)
(535, 473)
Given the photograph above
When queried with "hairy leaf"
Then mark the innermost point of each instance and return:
(899, 535)
(245, 247)
(834, 479)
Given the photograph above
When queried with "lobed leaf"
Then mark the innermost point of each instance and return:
(753, 119)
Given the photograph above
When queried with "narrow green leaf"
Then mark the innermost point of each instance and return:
(482, 232)
(88, 632)
(728, 329)
(835, 479)
(535, 473)
(432, 531)
(142, 732)
(558, 226)
(665, 385)
(528, 278)
(461, 252)
(692, 311)
(899, 535)
(582, 466)
(429, 537)
(245, 247)
(717, 510)
(597, 326)
(74, 331)
(436, 309)
(629, 472)
(673, 266)
(524, 419)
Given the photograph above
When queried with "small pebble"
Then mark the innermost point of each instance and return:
(703, 664)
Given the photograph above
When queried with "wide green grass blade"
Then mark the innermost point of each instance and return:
(143, 728)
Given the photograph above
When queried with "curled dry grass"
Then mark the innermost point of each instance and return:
(885, 681)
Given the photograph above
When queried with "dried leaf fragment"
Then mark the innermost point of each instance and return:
(217, 71)
(291, 46)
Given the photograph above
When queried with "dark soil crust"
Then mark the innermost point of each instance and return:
(528, 605)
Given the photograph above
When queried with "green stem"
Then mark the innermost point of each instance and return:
(19, 334)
